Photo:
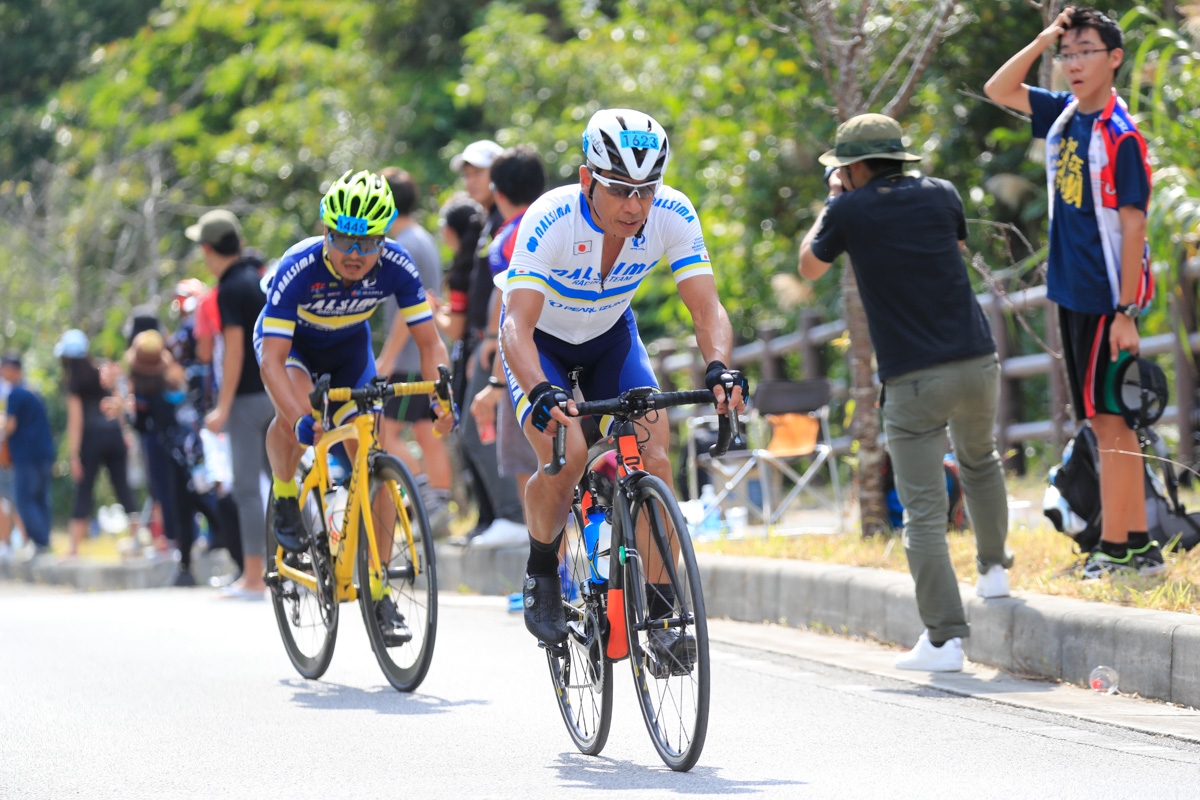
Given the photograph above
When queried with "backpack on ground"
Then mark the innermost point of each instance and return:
(956, 517)
(1072, 501)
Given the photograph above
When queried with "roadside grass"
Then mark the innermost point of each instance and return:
(1046, 561)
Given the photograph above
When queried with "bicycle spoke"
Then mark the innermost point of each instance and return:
(582, 676)
(307, 620)
(402, 622)
(668, 635)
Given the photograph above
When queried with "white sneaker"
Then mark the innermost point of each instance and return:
(501, 533)
(993, 583)
(927, 658)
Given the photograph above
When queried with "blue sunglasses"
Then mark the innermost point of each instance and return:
(366, 245)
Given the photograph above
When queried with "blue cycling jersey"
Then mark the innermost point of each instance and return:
(310, 303)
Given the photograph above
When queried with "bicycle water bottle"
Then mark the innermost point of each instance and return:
(597, 536)
(335, 517)
(710, 525)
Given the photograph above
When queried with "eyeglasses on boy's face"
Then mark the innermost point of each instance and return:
(623, 190)
(1078, 55)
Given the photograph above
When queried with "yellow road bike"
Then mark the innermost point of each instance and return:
(380, 551)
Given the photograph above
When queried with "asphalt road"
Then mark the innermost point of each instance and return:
(176, 693)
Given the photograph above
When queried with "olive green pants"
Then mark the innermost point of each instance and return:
(918, 407)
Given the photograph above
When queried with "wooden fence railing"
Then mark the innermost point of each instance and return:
(1014, 424)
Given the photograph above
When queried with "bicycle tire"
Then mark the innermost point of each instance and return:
(414, 593)
(581, 675)
(673, 695)
(296, 607)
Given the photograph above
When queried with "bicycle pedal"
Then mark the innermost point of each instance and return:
(556, 650)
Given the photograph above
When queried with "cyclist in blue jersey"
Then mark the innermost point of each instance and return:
(580, 255)
(315, 323)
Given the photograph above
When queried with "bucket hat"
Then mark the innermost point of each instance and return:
(867, 136)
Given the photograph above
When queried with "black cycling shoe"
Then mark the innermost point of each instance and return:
(391, 623)
(672, 651)
(289, 530)
(544, 617)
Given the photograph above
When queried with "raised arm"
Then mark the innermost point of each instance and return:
(1007, 87)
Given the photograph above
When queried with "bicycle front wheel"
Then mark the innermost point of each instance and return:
(581, 674)
(307, 615)
(668, 633)
(400, 612)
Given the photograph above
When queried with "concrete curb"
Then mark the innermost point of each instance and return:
(101, 576)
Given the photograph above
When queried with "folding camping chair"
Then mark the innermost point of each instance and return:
(799, 447)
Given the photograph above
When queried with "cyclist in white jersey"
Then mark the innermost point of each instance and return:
(581, 252)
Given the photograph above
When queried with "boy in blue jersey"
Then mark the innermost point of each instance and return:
(315, 323)
(1098, 178)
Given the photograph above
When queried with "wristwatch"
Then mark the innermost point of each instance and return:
(494, 381)
(1132, 310)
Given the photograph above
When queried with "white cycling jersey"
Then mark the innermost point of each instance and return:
(558, 254)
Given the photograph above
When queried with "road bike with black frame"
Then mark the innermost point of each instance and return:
(382, 555)
(610, 620)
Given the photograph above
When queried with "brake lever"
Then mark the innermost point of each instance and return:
(558, 459)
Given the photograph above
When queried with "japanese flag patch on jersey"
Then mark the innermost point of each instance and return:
(582, 247)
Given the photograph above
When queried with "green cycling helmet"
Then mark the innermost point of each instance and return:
(359, 204)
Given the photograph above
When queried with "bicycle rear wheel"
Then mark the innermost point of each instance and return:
(411, 581)
(581, 674)
(307, 619)
(672, 682)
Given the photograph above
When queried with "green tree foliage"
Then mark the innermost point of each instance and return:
(41, 45)
(121, 121)
(717, 81)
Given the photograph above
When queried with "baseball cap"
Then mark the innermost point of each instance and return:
(214, 226)
(73, 344)
(11, 358)
(478, 154)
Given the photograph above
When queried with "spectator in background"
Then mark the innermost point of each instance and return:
(1098, 268)
(31, 445)
(401, 360)
(461, 224)
(154, 457)
(499, 501)
(210, 350)
(243, 409)
(9, 519)
(159, 388)
(518, 178)
(94, 437)
(937, 363)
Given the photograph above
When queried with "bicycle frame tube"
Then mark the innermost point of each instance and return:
(342, 545)
(405, 525)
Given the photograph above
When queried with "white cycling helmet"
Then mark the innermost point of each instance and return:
(628, 143)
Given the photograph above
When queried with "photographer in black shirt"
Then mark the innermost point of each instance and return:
(936, 359)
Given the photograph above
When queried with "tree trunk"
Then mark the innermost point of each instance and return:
(865, 426)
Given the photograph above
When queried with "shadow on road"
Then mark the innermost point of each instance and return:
(597, 772)
(382, 699)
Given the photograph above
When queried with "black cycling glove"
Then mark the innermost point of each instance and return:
(543, 398)
(718, 373)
